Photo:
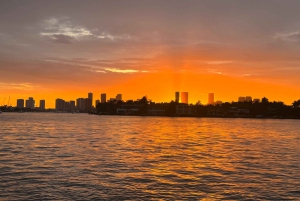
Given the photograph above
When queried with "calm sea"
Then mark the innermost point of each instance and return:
(48, 156)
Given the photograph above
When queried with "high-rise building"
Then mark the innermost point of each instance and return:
(256, 100)
(218, 102)
(248, 98)
(211, 98)
(88, 105)
(80, 104)
(103, 98)
(42, 104)
(67, 106)
(241, 99)
(185, 97)
(59, 104)
(177, 96)
(72, 105)
(30, 103)
(97, 102)
(90, 96)
(119, 97)
(20, 103)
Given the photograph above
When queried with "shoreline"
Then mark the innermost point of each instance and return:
(176, 116)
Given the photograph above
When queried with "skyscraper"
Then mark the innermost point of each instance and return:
(248, 98)
(88, 105)
(103, 98)
(30, 103)
(59, 104)
(20, 103)
(256, 100)
(42, 104)
(72, 105)
(119, 97)
(67, 106)
(90, 96)
(211, 98)
(185, 97)
(241, 99)
(80, 104)
(177, 97)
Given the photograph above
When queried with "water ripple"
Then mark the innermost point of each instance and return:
(85, 157)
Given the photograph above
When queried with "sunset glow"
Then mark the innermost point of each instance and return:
(151, 48)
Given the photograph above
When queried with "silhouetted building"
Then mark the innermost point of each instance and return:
(88, 105)
(67, 106)
(119, 97)
(90, 96)
(185, 97)
(97, 102)
(156, 109)
(103, 98)
(20, 103)
(256, 100)
(59, 104)
(42, 104)
(80, 104)
(211, 99)
(72, 105)
(30, 103)
(248, 98)
(112, 99)
(241, 99)
(218, 102)
(186, 110)
(177, 96)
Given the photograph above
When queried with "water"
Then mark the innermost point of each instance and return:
(51, 156)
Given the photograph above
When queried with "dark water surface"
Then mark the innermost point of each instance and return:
(86, 157)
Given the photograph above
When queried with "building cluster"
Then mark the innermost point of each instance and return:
(82, 104)
(86, 104)
(184, 97)
(30, 104)
(211, 100)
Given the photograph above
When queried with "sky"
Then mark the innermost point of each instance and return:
(67, 48)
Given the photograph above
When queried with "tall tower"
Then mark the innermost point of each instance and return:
(90, 96)
(185, 97)
(20, 103)
(30, 103)
(103, 98)
(119, 97)
(42, 104)
(211, 98)
(59, 104)
(177, 97)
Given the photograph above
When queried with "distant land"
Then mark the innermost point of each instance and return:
(145, 107)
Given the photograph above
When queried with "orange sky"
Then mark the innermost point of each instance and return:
(152, 48)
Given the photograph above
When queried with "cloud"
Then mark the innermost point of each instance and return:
(105, 35)
(58, 27)
(62, 39)
(218, 62)
(20, 86)
(215, 72)
(292, 36)
(62, 30)
(98, 69)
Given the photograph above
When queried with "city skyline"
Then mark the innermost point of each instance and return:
(81, 104)
(231, 48)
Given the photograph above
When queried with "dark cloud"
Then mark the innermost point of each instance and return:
(60, 38)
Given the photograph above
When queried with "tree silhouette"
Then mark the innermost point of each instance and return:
(296, 103)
